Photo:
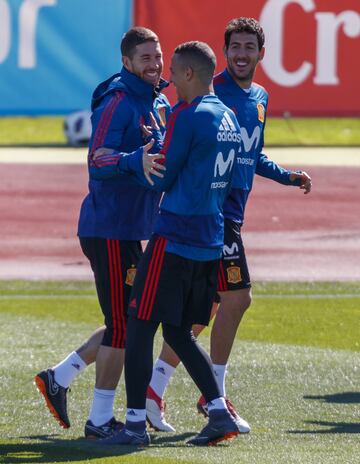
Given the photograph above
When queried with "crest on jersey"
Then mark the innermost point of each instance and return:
(261, 112)
(130, 276)
(233, 274)
(162, 115)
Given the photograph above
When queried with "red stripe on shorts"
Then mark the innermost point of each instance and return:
(112, 286)
(152, 279)
(222, 284)
(117, 294)
(120, 336)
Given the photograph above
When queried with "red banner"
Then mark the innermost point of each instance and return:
(312, 57)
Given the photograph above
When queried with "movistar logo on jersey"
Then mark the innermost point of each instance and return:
(231, 250)
(248, 161)
(250, 141)
(227, 131)
(222, 165)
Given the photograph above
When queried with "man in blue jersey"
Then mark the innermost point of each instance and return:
(243, 49)
(115, 216)
(177, 277)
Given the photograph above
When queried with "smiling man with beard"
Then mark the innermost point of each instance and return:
(243, 49)
(127, 111)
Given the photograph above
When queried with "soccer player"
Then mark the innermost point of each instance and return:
(176, 281)
(115, 216)
(243, 49)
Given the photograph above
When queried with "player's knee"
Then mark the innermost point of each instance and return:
(114, 337)
(246, 301)
(170, 336)
(242, 300)
(177, 337)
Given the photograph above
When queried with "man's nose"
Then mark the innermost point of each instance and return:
(155, 64)
(241, 52)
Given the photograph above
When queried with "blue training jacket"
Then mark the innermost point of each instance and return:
(118, 207)
(200, 148)
(250, 110)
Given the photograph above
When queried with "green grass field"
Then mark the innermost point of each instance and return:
(279, 131)
(294, 375)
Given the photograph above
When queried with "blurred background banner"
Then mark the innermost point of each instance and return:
(54, 52)
(311, 65)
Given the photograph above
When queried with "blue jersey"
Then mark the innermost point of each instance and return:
(200, 148)
(250, 109)
(118, 207)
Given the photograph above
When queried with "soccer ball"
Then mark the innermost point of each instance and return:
(77, 128)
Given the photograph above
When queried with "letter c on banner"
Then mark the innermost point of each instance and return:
(272, 20)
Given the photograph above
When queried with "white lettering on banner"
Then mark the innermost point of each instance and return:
(328, 26)
(28, 16)
(272, 20)
(5, 30)
(327, 39)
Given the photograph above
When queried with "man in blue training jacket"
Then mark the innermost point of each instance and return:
(115, 216)
(243, 49)
(177, 277)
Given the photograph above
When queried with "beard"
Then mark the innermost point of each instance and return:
(241, 77)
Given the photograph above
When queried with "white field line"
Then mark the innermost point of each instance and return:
(299, 296)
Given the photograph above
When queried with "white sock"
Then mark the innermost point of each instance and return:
(161, 374)
(135, 415)
(102, 406)
(68, 369)
(220, 374)
(217, 403)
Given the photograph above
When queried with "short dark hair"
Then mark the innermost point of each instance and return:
(243, 24)
(136, 36)
(200, 57)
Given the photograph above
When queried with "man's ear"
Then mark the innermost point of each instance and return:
(225, 51)
(262, 53)
(189, 73)
(126, 62)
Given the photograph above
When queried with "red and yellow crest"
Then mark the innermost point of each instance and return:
(233, 274)
(130, 276)
(261, 112)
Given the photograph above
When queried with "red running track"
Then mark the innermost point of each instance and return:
(288, 235)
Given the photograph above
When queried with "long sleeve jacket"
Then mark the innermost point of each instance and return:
(118, 207)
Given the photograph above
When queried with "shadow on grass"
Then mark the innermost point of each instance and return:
(340, 398)
(172, 440)
(332, 427)
(53, 449)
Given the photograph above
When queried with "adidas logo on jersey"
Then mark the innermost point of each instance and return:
(227, 131)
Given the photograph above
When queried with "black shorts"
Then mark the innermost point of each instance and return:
(233, 270)
(171, 289)
(114, 264)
